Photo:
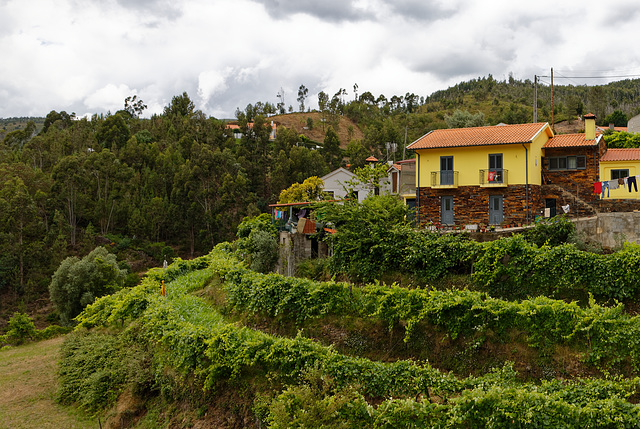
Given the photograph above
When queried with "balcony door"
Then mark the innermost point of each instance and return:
(446, 170)
(495, 168)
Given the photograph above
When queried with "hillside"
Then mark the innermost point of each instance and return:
(346, 129)
(231, 348)
(8, 125)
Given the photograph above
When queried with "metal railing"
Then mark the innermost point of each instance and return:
(446, 179)
(494, 177)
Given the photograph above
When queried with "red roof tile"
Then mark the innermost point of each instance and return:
(569, 140)
(621, 155)
(371, 159)
(479, 136)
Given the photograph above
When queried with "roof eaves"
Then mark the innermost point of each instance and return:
(472, 145)
(543, 128)
(418, 139)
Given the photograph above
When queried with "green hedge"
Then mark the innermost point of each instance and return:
(604, 335)
(514, 267)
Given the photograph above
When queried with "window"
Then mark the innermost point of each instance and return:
(575, 162)
(495, 167)
(619, 173)
(446, 170)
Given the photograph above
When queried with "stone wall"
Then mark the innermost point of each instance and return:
(616, 206)
(296, 247)
(573, 180)
(611, 229)
(471, 204)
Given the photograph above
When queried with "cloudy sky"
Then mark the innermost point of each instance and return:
(87, 56)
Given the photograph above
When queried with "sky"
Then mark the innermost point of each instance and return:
(87, 56)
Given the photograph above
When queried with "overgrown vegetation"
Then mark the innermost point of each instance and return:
(22, 329)
(300, 379)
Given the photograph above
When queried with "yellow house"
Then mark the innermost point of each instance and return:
(497, 174)
(622, 164)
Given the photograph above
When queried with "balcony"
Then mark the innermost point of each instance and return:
(444, 179)
(494, 178)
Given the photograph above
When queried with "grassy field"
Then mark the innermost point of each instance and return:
(28, 389)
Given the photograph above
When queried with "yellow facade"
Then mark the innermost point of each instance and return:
(469, 160)
(606, 168)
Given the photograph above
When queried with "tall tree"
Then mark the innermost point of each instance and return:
(69, 177)
(302, 96)
(323, 104)
(331, 149)
(134, 106)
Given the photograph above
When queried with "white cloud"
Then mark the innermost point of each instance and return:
(110, 97)
(210, 82)
(76, 55)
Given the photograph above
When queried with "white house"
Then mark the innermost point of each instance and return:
(335, 183)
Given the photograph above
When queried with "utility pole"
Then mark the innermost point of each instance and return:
(535, 99)
(553, 115)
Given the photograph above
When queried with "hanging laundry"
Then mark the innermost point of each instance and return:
(605, 185)
(632, 181)
(565, 208)
(597, 187)
(613, 184)
(620, 181)
(492, 176)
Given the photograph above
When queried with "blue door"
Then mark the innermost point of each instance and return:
(447, 210)
(496, 215)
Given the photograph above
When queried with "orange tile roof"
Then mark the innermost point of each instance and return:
(371, 159)
(569, 140)
(603, 129)
(479, 136)
(621, 155)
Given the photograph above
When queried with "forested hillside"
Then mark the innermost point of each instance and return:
(179, 182)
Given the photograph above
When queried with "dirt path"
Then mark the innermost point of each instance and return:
(28, 389)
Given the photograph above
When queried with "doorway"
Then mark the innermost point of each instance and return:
(496, 213)
(446, 212)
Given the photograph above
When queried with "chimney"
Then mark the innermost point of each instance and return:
(590, 126)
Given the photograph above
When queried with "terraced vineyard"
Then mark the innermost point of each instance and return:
(246, 349)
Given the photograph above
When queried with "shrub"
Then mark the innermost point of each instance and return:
(258, 242)
(78, 282)
(552, 231)
(21, 328)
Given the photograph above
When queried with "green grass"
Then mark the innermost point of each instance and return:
(28, 386)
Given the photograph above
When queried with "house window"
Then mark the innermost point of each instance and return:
(446, 170)
(620, 173)
(574, 162)
(495, 168)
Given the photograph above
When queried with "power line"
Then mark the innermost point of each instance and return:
(595, 77)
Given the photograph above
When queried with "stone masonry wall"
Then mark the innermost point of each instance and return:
(471, 204)
(573, 180)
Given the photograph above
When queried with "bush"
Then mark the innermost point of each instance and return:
(78, 282)
(94, 368)
(552, 231)
(258, 242)
(21, 328)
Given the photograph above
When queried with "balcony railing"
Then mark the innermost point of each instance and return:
(444, 179)
(494, 177)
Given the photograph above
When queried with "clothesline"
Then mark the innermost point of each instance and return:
(599, 187)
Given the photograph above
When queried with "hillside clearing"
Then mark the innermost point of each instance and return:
(28, 384)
